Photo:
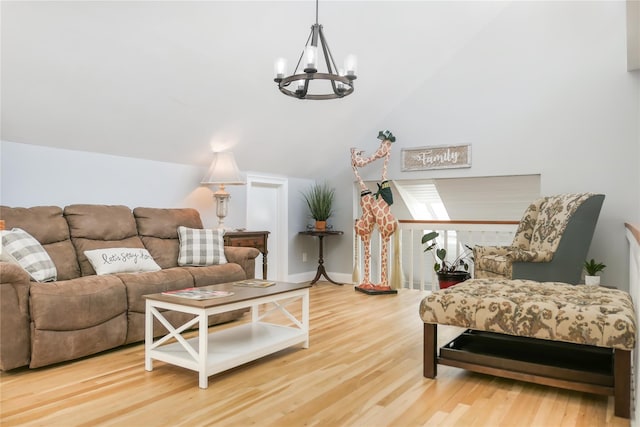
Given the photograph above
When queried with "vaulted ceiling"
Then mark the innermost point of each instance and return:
(172, 80)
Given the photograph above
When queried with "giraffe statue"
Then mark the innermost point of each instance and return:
(376, 211)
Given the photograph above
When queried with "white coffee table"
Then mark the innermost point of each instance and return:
(211, 353)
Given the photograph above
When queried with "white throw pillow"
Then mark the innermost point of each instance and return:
(201, 247)
(20, 247)
(121, 260)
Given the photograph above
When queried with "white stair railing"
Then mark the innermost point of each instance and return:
(417, 266)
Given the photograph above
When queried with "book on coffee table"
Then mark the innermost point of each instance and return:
(254, 283)
(197, 293)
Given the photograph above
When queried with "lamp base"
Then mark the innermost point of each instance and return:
(222, 205)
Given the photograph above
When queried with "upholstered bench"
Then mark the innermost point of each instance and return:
(574, 337)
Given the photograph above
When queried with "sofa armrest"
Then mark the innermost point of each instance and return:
(513, 253)
(522, 255)
(245, 257)
(15, 333)
(480, 251)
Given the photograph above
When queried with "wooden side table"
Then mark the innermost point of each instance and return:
(320, 235)
(250, 239)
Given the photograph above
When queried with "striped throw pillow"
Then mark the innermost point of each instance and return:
(200, 247)
(20, 247)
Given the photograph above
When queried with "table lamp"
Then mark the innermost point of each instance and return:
(223, 171)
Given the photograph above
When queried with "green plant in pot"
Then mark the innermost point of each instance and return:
(449, 272)
(592, 268)
(320, 199)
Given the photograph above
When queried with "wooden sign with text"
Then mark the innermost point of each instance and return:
(436, 157)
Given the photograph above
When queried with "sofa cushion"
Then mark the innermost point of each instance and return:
(141, 284)
(19, 247)
(121, 260)
(158, 229)
(214, 274)
(47, 225)
(201, 247)
(100, 227)
(78, 303)
(50, 347)
(76, 318)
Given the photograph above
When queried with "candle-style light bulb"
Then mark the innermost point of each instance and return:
(280, 68)
(310, 59)
(351, 65)
(298, 85)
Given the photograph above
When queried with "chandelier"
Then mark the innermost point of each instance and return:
(338, 83)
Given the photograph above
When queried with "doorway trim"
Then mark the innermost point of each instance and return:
(281, 220)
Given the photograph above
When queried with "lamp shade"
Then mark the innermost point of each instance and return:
(223, 170)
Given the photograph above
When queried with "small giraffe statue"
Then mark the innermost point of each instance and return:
(376, 211)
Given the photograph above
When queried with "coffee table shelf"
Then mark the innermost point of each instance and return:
(232, 347)
(211, 353)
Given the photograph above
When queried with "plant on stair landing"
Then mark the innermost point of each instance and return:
(449, 273)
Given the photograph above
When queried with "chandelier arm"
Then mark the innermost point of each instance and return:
(328, 59)
(315, 29)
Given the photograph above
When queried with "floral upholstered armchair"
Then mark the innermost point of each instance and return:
(551, 242)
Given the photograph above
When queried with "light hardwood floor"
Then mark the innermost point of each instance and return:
(363, 368)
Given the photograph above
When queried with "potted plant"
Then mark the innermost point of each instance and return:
(592, 268)
(319, 199)
(449, 273)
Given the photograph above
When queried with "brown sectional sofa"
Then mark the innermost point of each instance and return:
(82, 313)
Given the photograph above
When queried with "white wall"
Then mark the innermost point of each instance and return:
(544, 89)
(33, 175)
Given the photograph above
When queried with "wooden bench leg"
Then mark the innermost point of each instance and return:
(622, 383)
(430, 362)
